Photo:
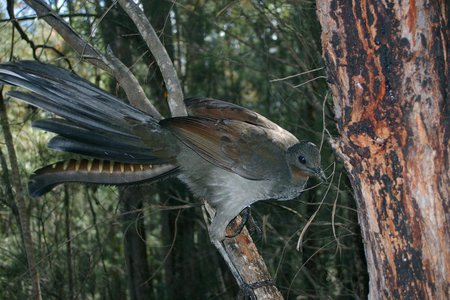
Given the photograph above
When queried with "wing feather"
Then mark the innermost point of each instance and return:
(218, 109)
(253, 152)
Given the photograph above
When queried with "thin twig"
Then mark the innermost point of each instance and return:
(333, 214)
(28, 18)
(296, 75)
(311, 219)
(308, 81)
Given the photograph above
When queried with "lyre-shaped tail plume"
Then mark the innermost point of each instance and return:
(97, 172)
(130, 146)
(94, 122)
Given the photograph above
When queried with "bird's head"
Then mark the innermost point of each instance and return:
(304, 161)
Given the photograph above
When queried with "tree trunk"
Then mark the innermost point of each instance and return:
(20, 199)
(138, 272)
(387, 65)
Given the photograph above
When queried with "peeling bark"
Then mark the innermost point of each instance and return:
(387, 67)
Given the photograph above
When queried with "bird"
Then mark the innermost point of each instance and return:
(226, 154)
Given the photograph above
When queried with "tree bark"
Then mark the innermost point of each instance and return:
(387, 65)
(69, 253)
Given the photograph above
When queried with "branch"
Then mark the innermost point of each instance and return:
(109, 63)
(29, 18)
(131, 86)
(175, 99)
(245, 262)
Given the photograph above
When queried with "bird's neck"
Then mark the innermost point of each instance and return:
(298, 176)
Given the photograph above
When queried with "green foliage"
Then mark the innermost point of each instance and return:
(235, 51)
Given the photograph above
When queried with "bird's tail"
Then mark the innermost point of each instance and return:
(97, 172)
(92, 122)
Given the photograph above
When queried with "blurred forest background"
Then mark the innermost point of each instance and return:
(264, 55)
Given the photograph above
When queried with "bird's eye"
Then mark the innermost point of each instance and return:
(302, 159)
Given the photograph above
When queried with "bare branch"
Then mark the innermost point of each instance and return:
(28, 18)
(245, 262)
(175, 99)
(131, 85)
(126, 79)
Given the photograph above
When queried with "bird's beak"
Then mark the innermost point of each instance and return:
(320, 174)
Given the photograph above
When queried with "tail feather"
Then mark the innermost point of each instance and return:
(95, 172)
(72, 130)
(56, 83)
(69, 96)
(95, 122)
(98, 118)
(73, 138)
(61, 143)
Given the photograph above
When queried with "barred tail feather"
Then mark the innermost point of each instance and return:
(96, 172)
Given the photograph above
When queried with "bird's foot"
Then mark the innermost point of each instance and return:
(246, 219)
(254, 229)
(248, 289)
(236, 227)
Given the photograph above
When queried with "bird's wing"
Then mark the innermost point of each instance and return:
(251, 151)
(218, 109)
